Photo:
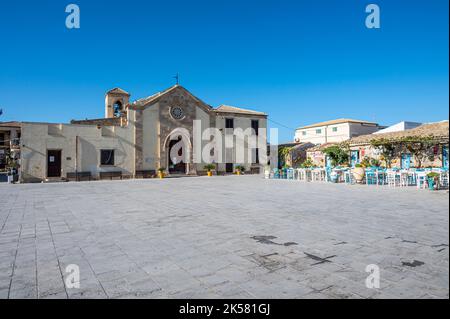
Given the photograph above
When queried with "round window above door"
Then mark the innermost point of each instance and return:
(177, 113)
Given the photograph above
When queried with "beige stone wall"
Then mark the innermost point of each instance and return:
(370, 152)
(38, 138)
(140, 145)
(151, 139)
(243, 122)
(317, 157)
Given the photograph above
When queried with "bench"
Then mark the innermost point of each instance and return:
(79, 176)
(145, 173)
(111, 175)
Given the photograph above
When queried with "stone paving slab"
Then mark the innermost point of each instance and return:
(222, 237)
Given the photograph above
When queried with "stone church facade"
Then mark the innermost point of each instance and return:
(136, 137)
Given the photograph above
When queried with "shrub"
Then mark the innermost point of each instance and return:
(365, 162)
(375, 162)
(209, 167)
(307, 163)
(337, 154)
(433, 175)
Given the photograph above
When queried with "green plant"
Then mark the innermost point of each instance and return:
(433, 175)
(337, 154)
(209, 167)
(421, 147)
(283, 154)
(240, 168)
(162, 169)
(307, 163)
(358, 165)
(365, 162)
(387, 148)
(375, 162)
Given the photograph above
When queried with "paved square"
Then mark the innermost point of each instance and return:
(222, 237)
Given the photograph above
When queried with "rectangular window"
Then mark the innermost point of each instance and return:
(334, 129)
(304, 133)
(257, 156)
(319, 131)
(2, 139)
(229, 123)
(255, 126)
(107, 157)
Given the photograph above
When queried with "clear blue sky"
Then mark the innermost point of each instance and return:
(299, 61)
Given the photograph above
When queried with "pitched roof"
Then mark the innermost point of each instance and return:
(117, 91)
(338, 121)
(320, 147)
(233, 109)
(153, 98)
(439, 130)
(11, 124)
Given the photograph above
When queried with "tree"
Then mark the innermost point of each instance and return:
(421, 147)
(283, 153)
(387, 148)
(337, 154)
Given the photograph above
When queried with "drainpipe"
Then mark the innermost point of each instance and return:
(76, 158)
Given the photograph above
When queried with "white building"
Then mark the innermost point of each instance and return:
(399, 127)
(334, 131)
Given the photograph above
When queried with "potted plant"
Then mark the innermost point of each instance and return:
(433, 180)
(375, 163)
(239, 169)
(161, 172)
(209, 168)
(359, 172)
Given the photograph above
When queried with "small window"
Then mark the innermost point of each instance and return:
(229, 123)
(319, 131)
(334, 129)
(304, 133)
(255, 126)
(107, 157)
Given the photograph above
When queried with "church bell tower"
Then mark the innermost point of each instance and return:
(116, 101)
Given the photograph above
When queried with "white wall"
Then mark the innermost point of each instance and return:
(37, 138)
(151, 138)
(327, 134)
(243, 122)
(344, 131)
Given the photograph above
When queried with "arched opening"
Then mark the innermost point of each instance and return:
(117, 109)
(176, 152)
(178, 149)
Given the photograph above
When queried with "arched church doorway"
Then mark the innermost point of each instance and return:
(176, 154)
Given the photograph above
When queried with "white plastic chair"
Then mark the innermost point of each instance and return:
(421, 179)
(393, 179)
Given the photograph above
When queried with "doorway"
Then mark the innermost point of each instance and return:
(229, 168)
(54, 163)
(176, 165)
(406, 161)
